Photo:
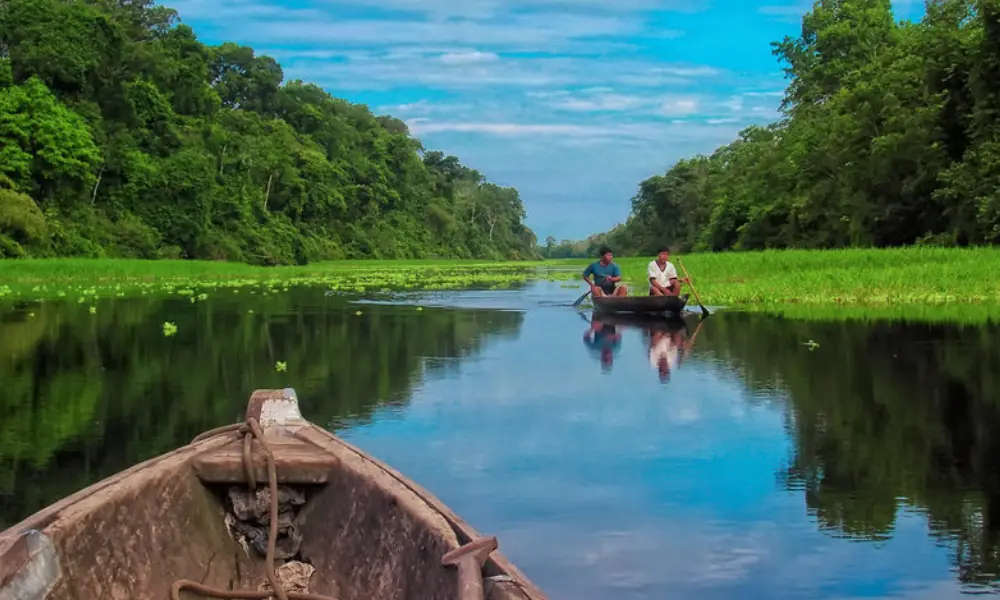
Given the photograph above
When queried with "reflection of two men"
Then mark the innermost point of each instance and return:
(604, 340)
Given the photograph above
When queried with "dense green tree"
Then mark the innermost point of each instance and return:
(888, 137)
(134, 139)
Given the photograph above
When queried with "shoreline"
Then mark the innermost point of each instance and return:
(934, 282)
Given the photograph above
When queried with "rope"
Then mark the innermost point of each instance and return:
(250, 429)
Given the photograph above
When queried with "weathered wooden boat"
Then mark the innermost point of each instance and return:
(640, 304)
(327, 522)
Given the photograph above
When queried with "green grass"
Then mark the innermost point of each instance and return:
(92, 278)
(119, 270)
(954, 314)
(796, 281)
(939, 283)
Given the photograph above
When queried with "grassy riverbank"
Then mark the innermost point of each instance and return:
(793, 281)
(57, 278)
(858, 276)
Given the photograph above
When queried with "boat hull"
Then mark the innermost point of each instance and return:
(641, 304)
(360, 528)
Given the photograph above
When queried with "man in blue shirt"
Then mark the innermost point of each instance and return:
(606, 275)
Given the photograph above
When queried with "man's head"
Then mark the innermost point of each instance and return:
(606, 254)
(663, 255)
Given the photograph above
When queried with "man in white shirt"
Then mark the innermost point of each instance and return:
(662, 275)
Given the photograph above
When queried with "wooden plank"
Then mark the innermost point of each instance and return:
(12, 558)
(296, 461)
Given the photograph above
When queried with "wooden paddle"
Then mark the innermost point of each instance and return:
(582, 298)
(704, 311)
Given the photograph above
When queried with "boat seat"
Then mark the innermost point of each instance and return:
(296, 462)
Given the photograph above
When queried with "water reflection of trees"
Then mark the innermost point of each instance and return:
(85, 395)
(885, 415)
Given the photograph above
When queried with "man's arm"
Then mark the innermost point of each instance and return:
(586, 275)
(616, 274)
(674, 280)
(656, 285)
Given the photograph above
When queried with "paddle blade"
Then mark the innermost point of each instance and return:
(581, 298)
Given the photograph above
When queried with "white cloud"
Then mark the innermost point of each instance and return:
(525, 32)
(466, 58)
(733, 108)
(458, 68)
(679, 107)
(601, 102)
(418, 126)
(771, 94)
(423, 107)
(786, 12)
(610, 131)
(486, 9)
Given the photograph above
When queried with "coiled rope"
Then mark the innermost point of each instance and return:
(249, 430)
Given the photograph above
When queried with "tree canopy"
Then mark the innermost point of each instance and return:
(122, 135)
(888, 136)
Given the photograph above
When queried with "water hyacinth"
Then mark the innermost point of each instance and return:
(196, 279)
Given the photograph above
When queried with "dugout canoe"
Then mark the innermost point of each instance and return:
(185, 525)
(640, 304)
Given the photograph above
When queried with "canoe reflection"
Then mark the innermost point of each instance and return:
(668, 340)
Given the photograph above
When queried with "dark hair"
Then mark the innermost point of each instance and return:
(604, 250)
(663, 249)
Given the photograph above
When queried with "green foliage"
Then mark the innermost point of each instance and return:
(22, 225)
(890, 137)
(136, 140)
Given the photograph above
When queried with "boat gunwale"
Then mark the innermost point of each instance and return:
(12, 538)
(462, 529)
(48, 516)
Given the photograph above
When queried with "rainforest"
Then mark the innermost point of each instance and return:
(123, 136)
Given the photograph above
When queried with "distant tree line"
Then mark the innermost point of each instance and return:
(571, 249)
(122, 135)
(889, 136)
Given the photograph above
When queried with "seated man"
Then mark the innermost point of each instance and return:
(606, 275)
(662, 275)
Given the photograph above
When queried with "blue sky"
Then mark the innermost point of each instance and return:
(573, 102)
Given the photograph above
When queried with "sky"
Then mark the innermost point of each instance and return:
(573, 102)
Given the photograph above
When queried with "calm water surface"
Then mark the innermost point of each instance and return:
(613, 461)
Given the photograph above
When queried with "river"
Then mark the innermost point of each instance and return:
(742, 456)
